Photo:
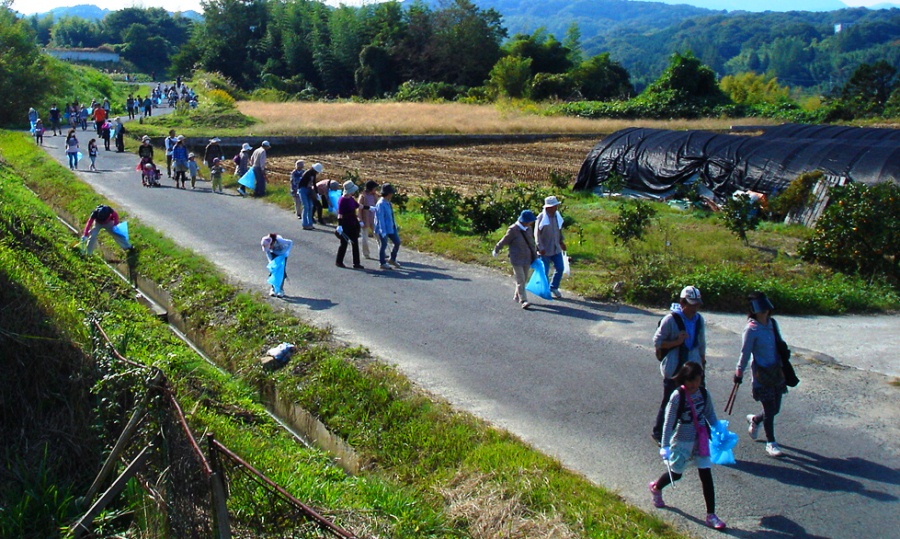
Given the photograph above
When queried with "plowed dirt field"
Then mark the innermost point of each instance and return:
(464, 168)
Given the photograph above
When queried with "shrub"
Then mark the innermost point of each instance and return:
(427, 91)
(741, 214)
(559, 180)
(859, 232)
(487, 212)
(634, 218)
(269, 95)
(440, 206)
(220, 99)
(796, 195)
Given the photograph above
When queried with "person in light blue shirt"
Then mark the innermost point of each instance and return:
(758, 342)
(386, 227)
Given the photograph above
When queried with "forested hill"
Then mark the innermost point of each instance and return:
(801, 48)
(594, 17)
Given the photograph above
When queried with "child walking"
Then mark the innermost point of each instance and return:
(386, 227)
(685, 438)
(215, 174)
(92, 153)
(367, 199)
(39, 132)
(193, 169)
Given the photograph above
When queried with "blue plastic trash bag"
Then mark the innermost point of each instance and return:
(721, 443)
(248, 180)
(334, 198)
(112, 133)
(538, 283)
(79, 156)
(276, 273)
(122, 228)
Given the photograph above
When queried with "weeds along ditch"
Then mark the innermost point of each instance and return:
(428, 470)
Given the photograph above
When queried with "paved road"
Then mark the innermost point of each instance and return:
(576, 379)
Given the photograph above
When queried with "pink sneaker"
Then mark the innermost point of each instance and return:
(657, 495)
(714, 522)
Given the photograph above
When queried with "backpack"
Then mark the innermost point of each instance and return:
(101, 213)
(684, 353)
(660, 354)
(683, 397)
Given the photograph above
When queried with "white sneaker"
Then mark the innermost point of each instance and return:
(385, 267)
(773, 450)
(753, 428)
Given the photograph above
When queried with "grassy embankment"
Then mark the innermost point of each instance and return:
(429, 470)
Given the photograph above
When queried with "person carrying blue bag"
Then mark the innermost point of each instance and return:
(686, 437)
(522, 252)
(277, 249)
(550, 243)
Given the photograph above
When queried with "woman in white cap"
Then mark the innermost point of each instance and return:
(242, 165)
(258, 163)
(348, 225)
(548, 237)
(213, 151)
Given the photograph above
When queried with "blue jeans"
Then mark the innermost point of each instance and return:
(395, 239)
(306, 195)
(73, 159)
(557, 260)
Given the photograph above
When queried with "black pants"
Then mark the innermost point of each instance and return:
(771, 408)
(709, 491)
(669, 386)
(351, 236)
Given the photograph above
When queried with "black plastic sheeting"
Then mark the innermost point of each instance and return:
(654, 161)
(805, 131)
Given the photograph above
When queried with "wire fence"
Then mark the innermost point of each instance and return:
(188, 494)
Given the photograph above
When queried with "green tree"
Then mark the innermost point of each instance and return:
(375, 75)
(230, 39)
(511, 76)
(466, 43)
(23, 75)
(633, 220)
(869, 88)
(572, 42)
(546, 53)
(75, 32)
(741, 214)
(146, 51)
(42, 28)
(600, 78)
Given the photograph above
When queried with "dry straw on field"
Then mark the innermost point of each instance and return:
(349, 118)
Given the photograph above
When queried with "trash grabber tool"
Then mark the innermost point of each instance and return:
(729, 406)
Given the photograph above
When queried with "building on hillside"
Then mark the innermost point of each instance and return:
(99, 54)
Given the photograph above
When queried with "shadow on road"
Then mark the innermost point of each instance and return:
(314, 304)
(583, 310)
(415, 271)
(816, 472)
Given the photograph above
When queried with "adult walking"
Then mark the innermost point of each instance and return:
(277, 249)
(100, 116)
(72, 149)
(148, 106)
(180, 162)
(550, 243)
(679, 339)
(296, 176)
(522, 252)
(307, 192)
(242, 165)
(169, 144)
(213, 151)
(758, 347)
(258, 164)
(32, 118)
(348, 225)
(367, 199)
(120, 134)
(103, 218)
(386, 227)
(54, 119)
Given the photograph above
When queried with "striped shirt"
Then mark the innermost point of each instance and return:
(682, 432)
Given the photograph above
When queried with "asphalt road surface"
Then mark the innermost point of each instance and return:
(575, 378)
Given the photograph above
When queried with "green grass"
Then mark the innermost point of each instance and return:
(417, 452)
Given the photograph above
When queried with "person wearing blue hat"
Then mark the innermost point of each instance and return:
(522, 252)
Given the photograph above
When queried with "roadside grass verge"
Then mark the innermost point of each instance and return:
(420, 456)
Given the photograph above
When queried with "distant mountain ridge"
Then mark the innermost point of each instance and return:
(94, 13)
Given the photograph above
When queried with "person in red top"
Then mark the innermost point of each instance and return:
(103, 217)
(348, 225)
(99, 117)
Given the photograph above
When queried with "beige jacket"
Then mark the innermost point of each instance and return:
(522, 251)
